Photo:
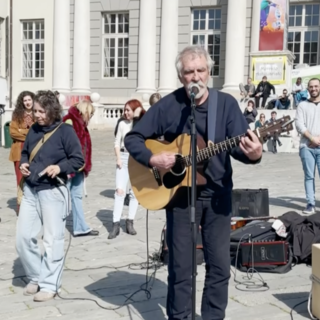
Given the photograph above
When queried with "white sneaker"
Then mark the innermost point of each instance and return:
(43, 296)
(31, 289)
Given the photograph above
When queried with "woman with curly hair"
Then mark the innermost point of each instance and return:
(79, 116)
(51, 152)
(22, 120)
(132, 112)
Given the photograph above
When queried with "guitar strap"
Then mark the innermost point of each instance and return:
(212, 114)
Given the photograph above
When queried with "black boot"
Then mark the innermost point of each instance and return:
(115, 231)
(130, 228)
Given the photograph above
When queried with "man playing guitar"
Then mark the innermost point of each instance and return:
(169, 118)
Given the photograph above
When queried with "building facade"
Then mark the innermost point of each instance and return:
(114, 50)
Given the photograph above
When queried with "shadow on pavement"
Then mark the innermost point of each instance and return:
(12, 203)
(289, 203)
(18, 273)
(108, 193)
(105, 216)
(293, 299)
(121, 285)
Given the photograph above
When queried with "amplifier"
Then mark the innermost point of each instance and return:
(262, 253)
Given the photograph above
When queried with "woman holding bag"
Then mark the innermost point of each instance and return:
(56, 153)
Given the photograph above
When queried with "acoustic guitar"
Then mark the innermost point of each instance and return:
(154, 188)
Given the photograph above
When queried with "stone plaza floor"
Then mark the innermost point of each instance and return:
(111, 287)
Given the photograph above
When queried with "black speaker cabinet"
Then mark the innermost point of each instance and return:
(250, 203)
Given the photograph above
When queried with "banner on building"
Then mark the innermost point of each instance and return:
(272, 24)
(305, 74)
(274, 68)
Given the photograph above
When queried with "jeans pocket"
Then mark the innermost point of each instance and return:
(57, 249)
(57, 194)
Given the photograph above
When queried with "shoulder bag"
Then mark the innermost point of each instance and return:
(32, 155)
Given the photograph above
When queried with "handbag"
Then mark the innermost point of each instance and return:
(250, 203)
(32, 155)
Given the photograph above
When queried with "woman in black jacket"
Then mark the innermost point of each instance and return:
(45, 203)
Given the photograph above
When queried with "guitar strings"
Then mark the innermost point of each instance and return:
(216, 148)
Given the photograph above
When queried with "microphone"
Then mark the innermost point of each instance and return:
(194, 89)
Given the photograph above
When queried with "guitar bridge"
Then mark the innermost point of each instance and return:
(156, 175)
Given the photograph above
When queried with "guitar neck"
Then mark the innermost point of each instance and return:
(215, 149)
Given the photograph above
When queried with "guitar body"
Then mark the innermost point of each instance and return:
(155, 189)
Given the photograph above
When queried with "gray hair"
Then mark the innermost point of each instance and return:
(195, 50)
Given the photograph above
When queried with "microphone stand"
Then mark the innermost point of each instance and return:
(193, 203)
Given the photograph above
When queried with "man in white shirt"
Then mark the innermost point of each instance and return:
(307, 123)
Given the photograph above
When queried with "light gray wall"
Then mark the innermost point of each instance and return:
(185, 8)
(113, 87)
(248, 40)
(71, 40)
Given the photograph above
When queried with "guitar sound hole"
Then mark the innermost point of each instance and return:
(179, 167)
(170, 180)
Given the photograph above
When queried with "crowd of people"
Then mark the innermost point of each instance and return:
(52, 157)
(264, 95)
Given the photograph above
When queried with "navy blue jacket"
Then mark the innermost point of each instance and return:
(62, 148)
(170, 117)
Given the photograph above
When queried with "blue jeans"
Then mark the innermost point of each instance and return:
(280, 106)
(75, 186)
(47, 209)
(310, 158)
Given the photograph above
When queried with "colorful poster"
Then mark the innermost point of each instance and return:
(274, 68)
(272, 24)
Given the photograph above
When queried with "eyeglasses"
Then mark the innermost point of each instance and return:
(262, 117)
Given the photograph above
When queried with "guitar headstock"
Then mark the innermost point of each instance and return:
(277, 126)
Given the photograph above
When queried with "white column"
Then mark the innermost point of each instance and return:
(168, 46)
(61, 46)
(255, 26)
(147, 47)
(81, 47)
(235, 46)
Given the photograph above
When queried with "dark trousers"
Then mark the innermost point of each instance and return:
(275, 139)
(264, 98)
(214, 216)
